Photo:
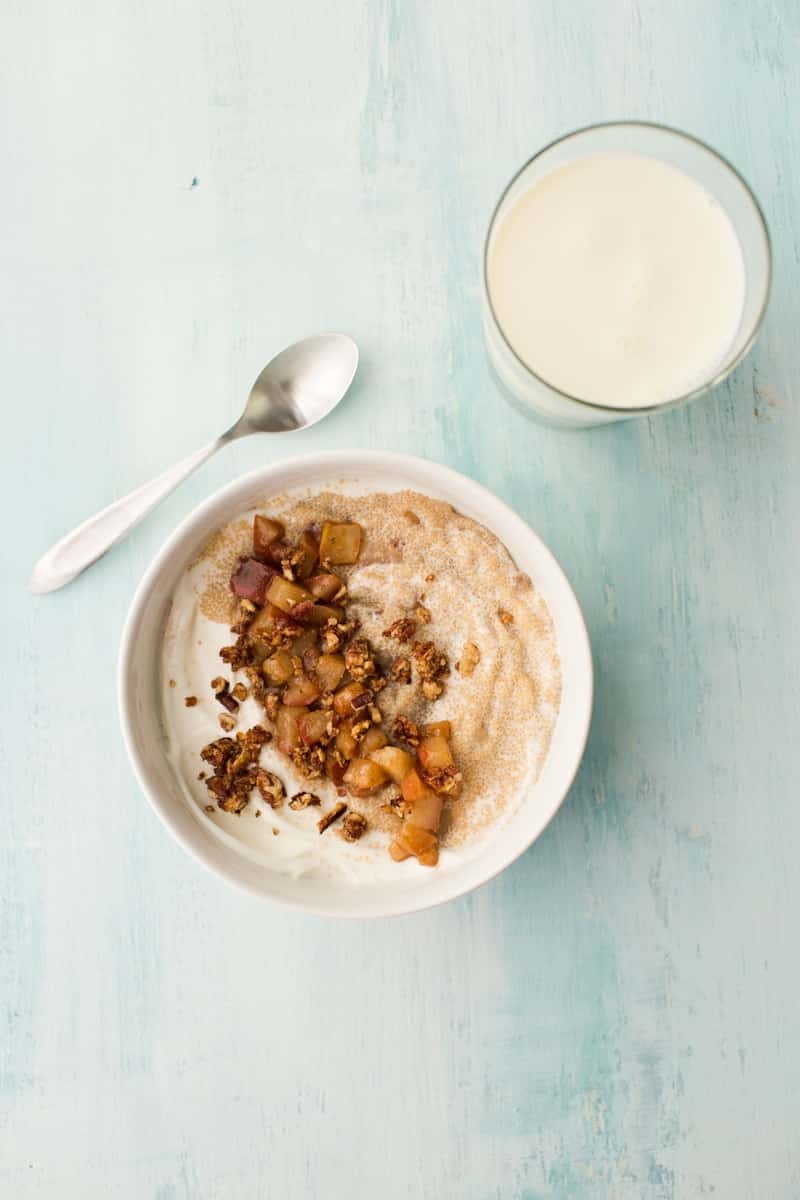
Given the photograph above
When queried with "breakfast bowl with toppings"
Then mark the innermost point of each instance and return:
(356, 683)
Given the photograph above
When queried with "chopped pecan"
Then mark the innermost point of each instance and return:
(238, 795)
(257, 686)
(431, 663)
(244, 618)
(270, 787)
(227, 722)
(358, 659)
(190, 701)
(354, 826)
(302, 800)
(331, 815)
(271, 704)
(335, 634)
(239, 692)
(423, 614)
(401, 669)
(239, 655)
(432, 689)
(217, 753)
(447, 780)
(227, 701)
(406, 731)
(219, 684)
(309, 760)
(470, 657)
(402, 630)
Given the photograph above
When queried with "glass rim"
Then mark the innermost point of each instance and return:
(721, 374)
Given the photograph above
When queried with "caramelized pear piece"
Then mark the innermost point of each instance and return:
(346, 744)
(303, 643)
(320, 614)
(373, 739)
(434, 753)
(286, 728)
(426, 805)
(416, 840)
(340, 543)
(252, 579)
(363, 777)
(278, 667)
(335, 769)
(398, 853)
(330, 671)
(301, 692)
(324, 587)
(349, 699)
(437, 729)
(313, 727)
(284, 594)
(429, 858)
(395, 762)
(265, 532)
(309, 548)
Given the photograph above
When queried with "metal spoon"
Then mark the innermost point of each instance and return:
(296, 389)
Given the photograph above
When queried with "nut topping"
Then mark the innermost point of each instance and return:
(331, 815)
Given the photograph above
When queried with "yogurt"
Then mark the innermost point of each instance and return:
(618, 279)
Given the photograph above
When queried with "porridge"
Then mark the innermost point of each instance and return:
(356, 686)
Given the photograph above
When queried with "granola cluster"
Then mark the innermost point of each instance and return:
(237, 773)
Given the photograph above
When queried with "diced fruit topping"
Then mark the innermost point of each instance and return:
(330, 671)
(265, 532)
(340, 543)
(301, 691)
(373, 739)
(437, 729)
(286, 728)
(351, 698)
(324, 587)
(321, 614)
(395, 762)
(363, 777)
(309, 552)
(284, 594)
(278, 668)
(251, 580)
(434, 753)
(319, 682)
(315, 727)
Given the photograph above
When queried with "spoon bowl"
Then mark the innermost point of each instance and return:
(301, 385)
(297, 388)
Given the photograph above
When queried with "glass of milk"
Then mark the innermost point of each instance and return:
(626, 270)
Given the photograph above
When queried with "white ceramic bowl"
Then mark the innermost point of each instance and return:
(140, 703)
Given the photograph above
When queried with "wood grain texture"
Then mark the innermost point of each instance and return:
(187, 187)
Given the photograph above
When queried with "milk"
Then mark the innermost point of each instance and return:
(618, 279)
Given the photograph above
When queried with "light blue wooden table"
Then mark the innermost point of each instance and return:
(187, 187)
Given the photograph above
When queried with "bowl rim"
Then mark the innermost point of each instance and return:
(430, 474)
(722, 373)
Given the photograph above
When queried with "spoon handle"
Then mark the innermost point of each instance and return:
(90, 541)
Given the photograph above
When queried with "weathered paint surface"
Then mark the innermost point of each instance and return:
(187, 187)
